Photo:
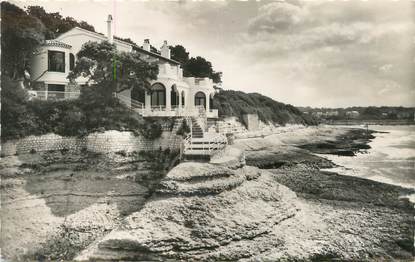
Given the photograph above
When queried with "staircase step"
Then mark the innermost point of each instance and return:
(206, 142)
(198, 152)
(201, 149)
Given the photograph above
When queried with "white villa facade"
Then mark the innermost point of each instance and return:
(171, 94)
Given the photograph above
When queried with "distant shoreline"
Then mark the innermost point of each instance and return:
(370, 122)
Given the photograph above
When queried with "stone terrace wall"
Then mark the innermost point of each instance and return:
(106, 142)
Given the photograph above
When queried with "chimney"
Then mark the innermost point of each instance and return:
(165, 50)
(146, 45)
(109, 29)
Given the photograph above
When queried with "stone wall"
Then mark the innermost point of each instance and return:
(230, 125)
(251, 121)
(106, 142)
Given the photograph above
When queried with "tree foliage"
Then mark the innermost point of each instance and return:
(20, 35)
(55, 23)
(127, 39)
(179, 54)
(110, 70)
(194, 66)
(16, 119)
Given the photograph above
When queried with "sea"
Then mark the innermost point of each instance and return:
(391, 158)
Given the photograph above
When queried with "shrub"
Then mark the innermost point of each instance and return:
(79, 117)
(184, 129)
(16, 118)
(151, 128)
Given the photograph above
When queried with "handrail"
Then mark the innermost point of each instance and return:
(55, 92)
(187, 141)
(202, 118)
(129, 102)
(216, 143)
(45, 94)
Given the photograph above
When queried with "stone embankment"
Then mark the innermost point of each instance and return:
(98, 142)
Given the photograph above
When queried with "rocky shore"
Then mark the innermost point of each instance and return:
(287, 210)
(262, 199)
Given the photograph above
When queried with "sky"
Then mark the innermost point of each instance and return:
(306, 53)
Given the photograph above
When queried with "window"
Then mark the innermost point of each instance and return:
(174, 98)
(200, 99)
(71, 61)
(183, 94)
(56, 61)
(158, 96)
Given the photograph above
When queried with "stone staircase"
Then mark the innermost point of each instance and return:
(201, 145)
(197, 131)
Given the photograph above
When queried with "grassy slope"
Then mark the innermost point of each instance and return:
(237, 103)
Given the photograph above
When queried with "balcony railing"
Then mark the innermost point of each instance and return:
(158, 108)
(52, 95)
(213, 113)
(129, 102)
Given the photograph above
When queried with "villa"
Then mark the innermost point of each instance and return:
(171, 94)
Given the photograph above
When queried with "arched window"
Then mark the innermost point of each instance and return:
(71, 61)
(200, 99)
(183, 99)
(174, 96)
(158, 95)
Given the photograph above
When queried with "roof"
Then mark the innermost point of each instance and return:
(56, 43)
(135, 47)
(98, 35)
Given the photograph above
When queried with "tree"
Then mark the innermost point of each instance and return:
(20, 35)
(216, 77)
(56, 24)
(194, 66)
(179, 54)
(154, 49)
(110, 70)
(198, 67)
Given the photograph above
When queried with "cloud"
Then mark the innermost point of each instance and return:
(278, 17)
(386, 68)
(347, 54)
